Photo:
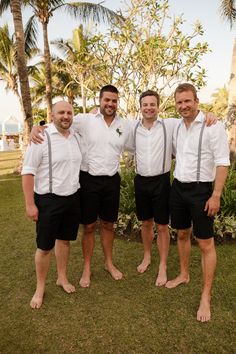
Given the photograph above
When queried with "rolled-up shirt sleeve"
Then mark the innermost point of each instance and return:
(32, 159)
(219, 145)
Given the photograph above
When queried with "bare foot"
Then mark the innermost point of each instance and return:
(177, 281)
(143, 266)
(204, 311)
(66, 286)
(36, 301)
(162, 277)
(85, 279)
(114, 272)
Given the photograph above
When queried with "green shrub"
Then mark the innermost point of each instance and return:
(228, 203)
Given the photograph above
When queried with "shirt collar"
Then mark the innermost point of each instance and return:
(100, 115)
(199, 118)
(53, 130)
(158, 120)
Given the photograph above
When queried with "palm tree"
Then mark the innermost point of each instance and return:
(80, 64)
(44, 10)
(15, 6)
(228, 10)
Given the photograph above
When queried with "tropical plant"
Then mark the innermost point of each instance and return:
(228, 10)
(80, 65)
(15, 6)
(44, 10)
(150, 51)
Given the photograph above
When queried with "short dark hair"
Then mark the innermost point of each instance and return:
(186, 87)
(149, 93)
(108, 88)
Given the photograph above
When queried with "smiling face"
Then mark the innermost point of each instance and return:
(108, 104)
(149, 108)
(187, 105)
(62, 116)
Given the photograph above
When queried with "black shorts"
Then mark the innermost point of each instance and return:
(187, 203)
(152, 197)
(59, 218)
(100, 197)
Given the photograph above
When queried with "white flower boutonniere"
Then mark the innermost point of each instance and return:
(118, 130)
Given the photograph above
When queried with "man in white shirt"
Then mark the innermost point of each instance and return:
(153, 155)
(50, 179)
(202, 157)
(103, 136)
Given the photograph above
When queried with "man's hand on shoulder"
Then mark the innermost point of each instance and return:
(210, 119)
(36, 134)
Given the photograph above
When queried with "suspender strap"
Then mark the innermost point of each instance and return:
(50, 158)
(199, 152)
(135, 138)
(49, 161)
(165, 140)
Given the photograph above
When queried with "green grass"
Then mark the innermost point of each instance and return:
(128, 316)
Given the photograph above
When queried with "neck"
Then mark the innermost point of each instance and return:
(64, 132)
(109, 119)
(148, 123)
(189, 121)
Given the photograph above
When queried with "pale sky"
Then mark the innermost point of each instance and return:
(217, 33)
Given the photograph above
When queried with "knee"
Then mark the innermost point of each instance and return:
(63, 242)
(147, 224)
(89, 229)
(105, 225)
(162, 229)
(206, 245)
(184, 234)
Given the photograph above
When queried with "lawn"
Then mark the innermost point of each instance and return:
(130, 316)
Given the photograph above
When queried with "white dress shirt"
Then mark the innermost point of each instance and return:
(66, 161)
(101, 144)
(150, 147)
(214, 150)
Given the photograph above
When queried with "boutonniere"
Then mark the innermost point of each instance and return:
(119, 132)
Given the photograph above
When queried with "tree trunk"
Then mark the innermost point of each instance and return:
(48, 74)
(83, 93)
(15, 6)
(231, 116)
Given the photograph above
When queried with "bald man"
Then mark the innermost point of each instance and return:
(50, 179)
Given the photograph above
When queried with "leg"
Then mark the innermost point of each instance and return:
(42, 261)
(107, 238)
(163, 242)
(147, 238)
(62, 251)
(184, 249)
(208, 252)
(88, 240)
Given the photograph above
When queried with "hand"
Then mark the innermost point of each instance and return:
(212, 206)
(94, 110)
(35, 134)
(210, 119)
(32, 212)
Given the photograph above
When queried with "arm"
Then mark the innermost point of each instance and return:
(210, 119)
(213, 204)
(36, 134)
(28, 189)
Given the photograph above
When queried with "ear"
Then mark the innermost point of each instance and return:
(51, 117)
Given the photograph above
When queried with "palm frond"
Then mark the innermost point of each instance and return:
(228, 11)
(31, 31)
(4, 5)
(86, 11)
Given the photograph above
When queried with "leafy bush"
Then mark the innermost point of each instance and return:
(128, 225)
(228, 206)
